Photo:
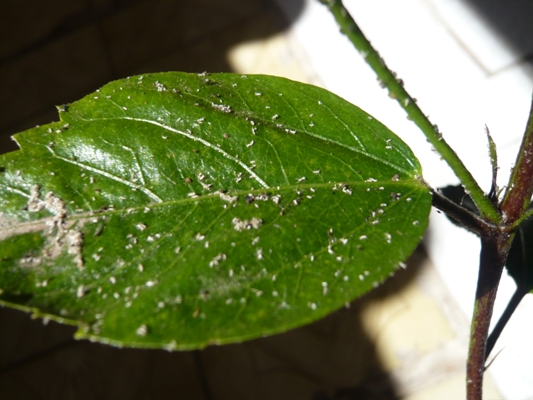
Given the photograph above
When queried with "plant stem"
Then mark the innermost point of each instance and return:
(520, 188)
(466, 218)
(496, 224)
(495, 245)
(396, 90)
(490, 270)
(522, 218)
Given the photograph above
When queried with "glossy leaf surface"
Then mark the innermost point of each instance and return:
(177, 210)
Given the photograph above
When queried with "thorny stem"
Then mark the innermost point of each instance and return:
(522, 218)
(396, 90)
(496, 224)
(520, 188)
(495, 247)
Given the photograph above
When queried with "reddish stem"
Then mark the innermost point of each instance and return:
(518, 195)
(495, 245)
(494, 250)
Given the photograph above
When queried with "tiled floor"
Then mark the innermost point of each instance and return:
(406, 340)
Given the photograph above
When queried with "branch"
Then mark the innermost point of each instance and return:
(495, 248)
(520, 188)
(490, 269)
(396, 90)
(466, 218)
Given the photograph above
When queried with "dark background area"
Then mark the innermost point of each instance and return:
(55, 52)
(332, 359)
(512, 20)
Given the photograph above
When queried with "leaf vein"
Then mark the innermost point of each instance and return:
(143, 189)
(205, 143)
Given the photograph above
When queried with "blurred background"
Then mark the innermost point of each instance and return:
(469, 64)
(55, 52)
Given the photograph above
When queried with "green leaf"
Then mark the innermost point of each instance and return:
(176, 210)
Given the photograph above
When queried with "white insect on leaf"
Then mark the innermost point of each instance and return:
(241, 225)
